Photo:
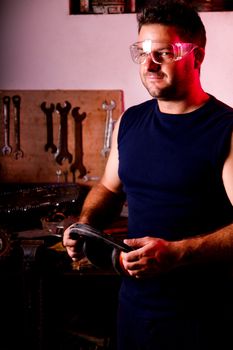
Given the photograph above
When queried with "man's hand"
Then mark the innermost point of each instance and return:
(150, 257)
(73, 246)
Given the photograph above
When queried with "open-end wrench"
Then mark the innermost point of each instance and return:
(18, 153)
(48, 111)
(62, 151)
(109, 125)
(78, 137)
(6, 149)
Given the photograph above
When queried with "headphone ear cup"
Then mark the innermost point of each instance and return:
(98, 252)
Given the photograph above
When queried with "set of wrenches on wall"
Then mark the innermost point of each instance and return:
(7, 148)
(61, 152)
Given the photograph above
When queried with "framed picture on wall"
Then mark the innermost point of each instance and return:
(132, 6)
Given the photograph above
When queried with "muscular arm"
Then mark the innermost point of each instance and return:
(218, 245)
(227, 173)
(103, 202)
(101, 206)
(154, 255)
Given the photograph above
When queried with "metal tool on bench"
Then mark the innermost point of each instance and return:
(48, 111)
(16, 99)
(6, 149)
(23, 198)
(109, 125)
(62, 151)
(22, 206)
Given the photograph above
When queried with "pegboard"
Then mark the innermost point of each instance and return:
(40, 166)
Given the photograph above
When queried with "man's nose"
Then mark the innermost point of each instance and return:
(150, 64)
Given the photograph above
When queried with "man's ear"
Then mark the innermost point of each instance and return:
(199, 54)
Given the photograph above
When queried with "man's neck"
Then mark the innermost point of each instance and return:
(182, 106)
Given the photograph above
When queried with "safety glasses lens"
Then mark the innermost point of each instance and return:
(159, 52)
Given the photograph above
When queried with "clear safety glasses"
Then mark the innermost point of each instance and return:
(160, 52)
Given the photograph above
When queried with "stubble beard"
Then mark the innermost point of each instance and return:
(166, 93)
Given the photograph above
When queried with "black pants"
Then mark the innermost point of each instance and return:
(204, 333)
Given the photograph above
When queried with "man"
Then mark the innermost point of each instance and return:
(173, 158)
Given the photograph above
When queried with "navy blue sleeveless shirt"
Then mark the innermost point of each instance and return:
(171, 169)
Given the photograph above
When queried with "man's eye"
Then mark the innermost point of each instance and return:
(142, 53)
(165, 54)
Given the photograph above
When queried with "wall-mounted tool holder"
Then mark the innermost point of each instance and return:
(62, 133)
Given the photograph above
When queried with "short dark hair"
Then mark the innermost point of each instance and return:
(177, 13)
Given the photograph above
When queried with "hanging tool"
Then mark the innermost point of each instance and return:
(109, 125)
(62, 151)
(6, 149)
(48, 111)
(78, 161)
(16, 99)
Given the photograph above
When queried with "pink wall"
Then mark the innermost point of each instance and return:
(43, 47)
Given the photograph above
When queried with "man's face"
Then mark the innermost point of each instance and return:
(166, 81)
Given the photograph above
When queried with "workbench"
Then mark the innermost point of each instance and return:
(48, 303)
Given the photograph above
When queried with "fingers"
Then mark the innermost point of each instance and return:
(133, 263)
(74, 247)
(74, 255)
(136, 242)
(142, 261)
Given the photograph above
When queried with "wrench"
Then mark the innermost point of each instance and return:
(109, 125)
(58, 173)
(62, 151)
(48, 111)
(78, 161)
(16, 99)
(6, 149)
